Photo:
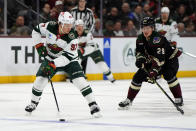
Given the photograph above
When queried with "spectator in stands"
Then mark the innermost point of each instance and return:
(113, 15)
(130, 29)
(19, 29)
(1, 26)
(181, 15)
(125, 14)
(45, 13)
(146, 11)
(154, 7)
(94, 12)
(193, 17)
(108, 31)
(134, 3)
(181, 29)
(190, 29)
(54, 14)
(69, 4)
(97, 31)
(137, 16)
(117, 29)
(59, 6)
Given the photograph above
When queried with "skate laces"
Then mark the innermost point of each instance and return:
(31, 106)
(93, 107)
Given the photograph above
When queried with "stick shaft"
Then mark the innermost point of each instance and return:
(189, 54)
(57, 105)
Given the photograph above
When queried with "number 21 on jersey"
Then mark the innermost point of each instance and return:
(160, 51)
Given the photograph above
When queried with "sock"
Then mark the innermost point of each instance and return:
(133, 90)
(176, 91)
(88, 94)
(175, 88)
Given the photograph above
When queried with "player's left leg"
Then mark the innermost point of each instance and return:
(78, 80)
(99, 61)
(169, 72)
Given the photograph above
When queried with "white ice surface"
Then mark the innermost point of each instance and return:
(151, 110)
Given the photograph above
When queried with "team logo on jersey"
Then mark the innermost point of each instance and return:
(156, 40)
(49, 36)
(71, 36)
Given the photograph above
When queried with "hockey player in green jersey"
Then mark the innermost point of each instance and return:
(60, 54)
(89, 48)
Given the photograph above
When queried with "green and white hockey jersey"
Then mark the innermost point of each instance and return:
(87, 42)
(64, 47)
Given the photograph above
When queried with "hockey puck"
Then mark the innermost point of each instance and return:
(61, 119)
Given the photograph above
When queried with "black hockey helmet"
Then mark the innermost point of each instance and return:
(148, 21)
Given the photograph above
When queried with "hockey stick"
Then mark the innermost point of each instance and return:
(177, 107)
(57, 105)
(189, 54)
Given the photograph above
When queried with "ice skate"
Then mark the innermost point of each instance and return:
(125, 105)
(95, 110)
(30, 108)
(113, 81)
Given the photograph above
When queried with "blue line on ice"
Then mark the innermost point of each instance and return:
(97, 124)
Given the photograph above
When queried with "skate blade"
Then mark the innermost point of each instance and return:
(97, 115)
(124, 108)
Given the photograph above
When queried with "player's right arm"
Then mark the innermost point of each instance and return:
(140, 53)
(37, 33)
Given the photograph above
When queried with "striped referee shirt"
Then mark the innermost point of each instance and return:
(86, 15)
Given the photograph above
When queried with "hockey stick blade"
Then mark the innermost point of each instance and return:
(180, 110)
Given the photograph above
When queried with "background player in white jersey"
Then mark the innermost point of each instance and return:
(167, 27)
(89, 48)
(60, 54)
(86, 14)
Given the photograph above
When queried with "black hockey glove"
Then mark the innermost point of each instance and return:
(41, 49)
(140, 61)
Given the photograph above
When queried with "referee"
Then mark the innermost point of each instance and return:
(86, 14)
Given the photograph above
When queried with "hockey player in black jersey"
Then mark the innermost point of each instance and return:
(154, 54)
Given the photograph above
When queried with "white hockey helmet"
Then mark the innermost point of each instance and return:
(65, 18)
(79, 22)
(165, 10)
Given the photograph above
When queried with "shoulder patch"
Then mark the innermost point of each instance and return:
(156, 40)
(71, 35)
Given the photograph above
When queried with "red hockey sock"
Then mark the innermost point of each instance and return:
(132, 93)
(176, 91)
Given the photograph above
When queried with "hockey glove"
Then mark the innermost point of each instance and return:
(41, 49)
(49, 68)
(140, 62)
(81, 50)
(152, 76)
(173, 43)
(153, 73)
